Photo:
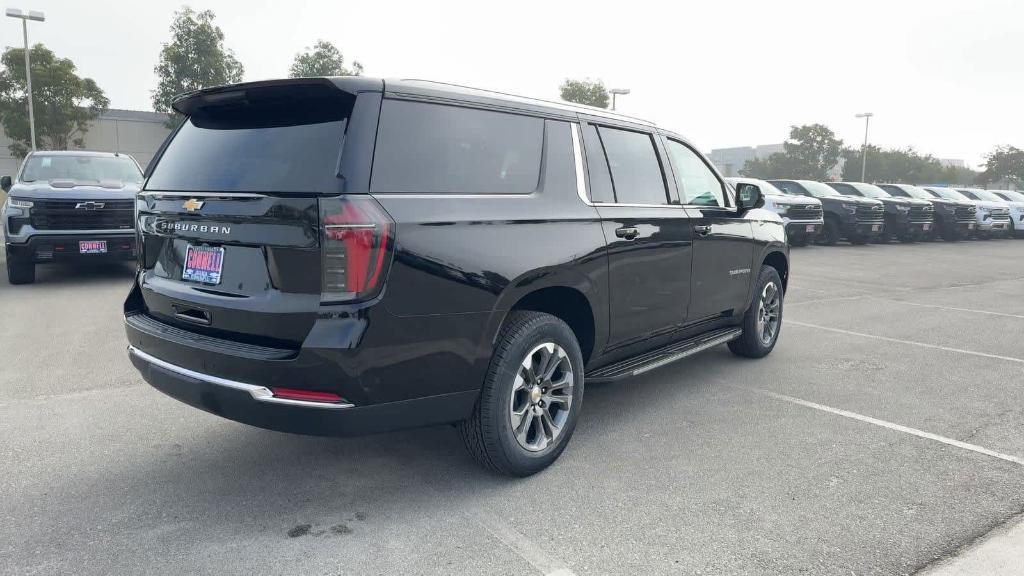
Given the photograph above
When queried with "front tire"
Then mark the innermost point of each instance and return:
(531, 396)
(762, 322)
(20, 272)
(830, 235)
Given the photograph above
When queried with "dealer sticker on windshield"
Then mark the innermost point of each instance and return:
(203, 264)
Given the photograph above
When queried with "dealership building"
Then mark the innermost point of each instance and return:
(133, 132)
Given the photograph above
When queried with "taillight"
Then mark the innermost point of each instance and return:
(356, 239)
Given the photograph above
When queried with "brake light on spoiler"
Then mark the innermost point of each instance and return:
(356, 242)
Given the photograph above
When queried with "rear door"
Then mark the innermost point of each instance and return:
(723, 246)
(648, 235)
(230, 216)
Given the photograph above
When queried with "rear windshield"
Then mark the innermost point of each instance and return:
(81, 169)
(270, 144)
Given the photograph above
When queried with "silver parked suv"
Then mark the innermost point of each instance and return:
(802, 216)
(69, 205)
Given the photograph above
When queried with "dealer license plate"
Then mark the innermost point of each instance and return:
(203, 264)
(92, 247)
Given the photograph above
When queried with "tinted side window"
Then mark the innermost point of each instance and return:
(432, 148)
(597, 167)
(697, 184)
(636, 172)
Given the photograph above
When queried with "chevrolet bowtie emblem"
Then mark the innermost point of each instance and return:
(191, 205)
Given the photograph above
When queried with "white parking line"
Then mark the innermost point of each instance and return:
(889, 425)
(909, 342)
(989, 312)
(520, 544)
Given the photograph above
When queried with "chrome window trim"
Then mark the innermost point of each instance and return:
(577, 157)
(581, 182)
(259, 393)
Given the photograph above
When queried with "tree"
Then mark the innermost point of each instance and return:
(902, 165)
(810, 152)
(195, 58)
(1004, 163)
(63, 103)
(813, 150)
(589, 92)
(778, 165)
(323, 59)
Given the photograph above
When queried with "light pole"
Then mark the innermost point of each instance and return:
(25, 17)
(864, 151)
(615, 92)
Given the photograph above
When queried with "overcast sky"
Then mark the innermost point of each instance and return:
(941, 76)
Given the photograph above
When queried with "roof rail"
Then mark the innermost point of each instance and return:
(582, 108)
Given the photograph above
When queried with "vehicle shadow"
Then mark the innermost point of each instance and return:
(222, 477)
(68, 273)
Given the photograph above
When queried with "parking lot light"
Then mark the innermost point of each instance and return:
(25, 17)
(615, 92)
(864, 151)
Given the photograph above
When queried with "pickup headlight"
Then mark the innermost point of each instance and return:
(19, 203)
(903, 208)
(851, 207)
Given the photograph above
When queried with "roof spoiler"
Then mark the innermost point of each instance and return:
(233, 94)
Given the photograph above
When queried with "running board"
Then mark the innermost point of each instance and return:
(648, 361)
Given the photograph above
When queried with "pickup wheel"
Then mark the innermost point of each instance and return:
(830, 235)
(531, 396)
(20, 272)
(763, 319)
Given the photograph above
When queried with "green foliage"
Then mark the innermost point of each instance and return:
(323, 59)
(63, 102)
(1004, 163)
(195, 58)
(810, 152)
(588, 92)
(902, 165)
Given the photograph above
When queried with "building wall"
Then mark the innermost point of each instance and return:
(133, 132)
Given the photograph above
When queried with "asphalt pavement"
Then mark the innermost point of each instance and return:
(884, 435)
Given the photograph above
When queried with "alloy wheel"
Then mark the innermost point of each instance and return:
(541, 397)
(768, 313)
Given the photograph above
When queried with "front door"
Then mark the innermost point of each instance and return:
(723, 247)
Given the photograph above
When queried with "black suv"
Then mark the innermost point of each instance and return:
(351, 255)
(906, 219)
(859, 220)
(953, 220)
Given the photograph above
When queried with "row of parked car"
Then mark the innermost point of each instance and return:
(827, 212)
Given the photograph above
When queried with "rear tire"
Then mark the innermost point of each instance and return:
(20, 272)
(762, 322)
(531, 396)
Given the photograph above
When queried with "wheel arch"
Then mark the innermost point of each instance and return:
(780, 261)
(567, 295)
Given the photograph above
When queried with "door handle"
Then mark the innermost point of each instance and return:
(627, 232)
(702, 229)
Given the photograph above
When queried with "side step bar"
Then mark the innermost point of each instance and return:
(648, 361)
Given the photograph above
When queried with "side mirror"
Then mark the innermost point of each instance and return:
(748, 197)
(5, 183)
